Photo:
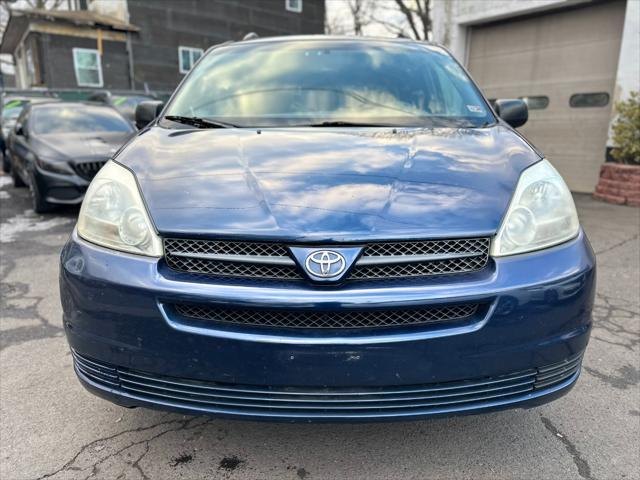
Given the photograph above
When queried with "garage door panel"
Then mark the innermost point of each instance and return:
(574, 63)
(556, 54)
(593, 23)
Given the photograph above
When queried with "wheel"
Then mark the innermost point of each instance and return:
(40, 205)
(15, 176)
(6, 166)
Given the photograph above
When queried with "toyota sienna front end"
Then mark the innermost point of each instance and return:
(326, 229)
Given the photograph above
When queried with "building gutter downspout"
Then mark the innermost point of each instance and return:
(132, 83)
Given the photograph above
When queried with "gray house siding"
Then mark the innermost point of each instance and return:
(57, 61)
(165, 25)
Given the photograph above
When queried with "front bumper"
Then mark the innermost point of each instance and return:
(133, 351)
(59, 188)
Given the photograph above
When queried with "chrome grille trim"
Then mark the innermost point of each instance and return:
(266, 260)
(341, 319)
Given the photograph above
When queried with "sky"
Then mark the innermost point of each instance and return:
(338, 14)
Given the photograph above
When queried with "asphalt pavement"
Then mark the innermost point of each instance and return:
(50, 427)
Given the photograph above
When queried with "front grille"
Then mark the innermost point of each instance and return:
(230, 259)
(88, 170)
(383, 260)
(422, 258)
(327, 319)
(321, 402)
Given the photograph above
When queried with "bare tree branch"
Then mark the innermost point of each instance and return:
(408, 13)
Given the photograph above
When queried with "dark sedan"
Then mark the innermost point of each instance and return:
(57, 148)
(11, 105)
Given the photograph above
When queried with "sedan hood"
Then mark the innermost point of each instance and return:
(319, 184)
(80, 146)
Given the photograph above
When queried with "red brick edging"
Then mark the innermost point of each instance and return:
(619, 184)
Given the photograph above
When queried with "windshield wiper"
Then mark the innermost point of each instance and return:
(199, 122)
(343, 123)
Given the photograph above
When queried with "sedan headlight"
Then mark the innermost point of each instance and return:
(541, 213)
(113, 214)
(53, 165)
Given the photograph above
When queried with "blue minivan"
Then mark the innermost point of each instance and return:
(328, 229)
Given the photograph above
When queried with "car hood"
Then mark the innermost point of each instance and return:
(80, 147)
(316, 185)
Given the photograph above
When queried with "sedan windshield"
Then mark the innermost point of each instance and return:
(324, 83)
(77, 119)
(12, 109)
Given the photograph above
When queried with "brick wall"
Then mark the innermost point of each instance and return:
(619, 184)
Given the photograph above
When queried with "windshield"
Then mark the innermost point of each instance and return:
(311, 82)
(77, 119)
(11, 110)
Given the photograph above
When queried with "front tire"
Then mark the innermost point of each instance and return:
(6, 166)
(15, 176)
(40, 205)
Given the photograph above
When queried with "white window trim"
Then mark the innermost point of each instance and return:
(289, 8)
(75, 67)
(191, 50)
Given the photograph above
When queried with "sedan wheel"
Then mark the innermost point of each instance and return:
(40, 205)
(6, 166)
(15, 176)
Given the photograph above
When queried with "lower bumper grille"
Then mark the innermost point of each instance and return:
(324, 402)
(338, 319)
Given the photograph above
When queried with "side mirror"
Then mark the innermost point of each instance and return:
(19, 130)
(147, 111)
(515, 112)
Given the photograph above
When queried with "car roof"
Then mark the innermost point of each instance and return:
(340, 38)
(13, 98)
(71, 103)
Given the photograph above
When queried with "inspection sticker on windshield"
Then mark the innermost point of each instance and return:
(475, 108)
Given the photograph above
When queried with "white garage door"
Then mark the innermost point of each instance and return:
(565, 63)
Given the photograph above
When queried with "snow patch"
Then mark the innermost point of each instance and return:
(5, 180)
(28, 222)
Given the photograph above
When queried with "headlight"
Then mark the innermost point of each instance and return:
(113, 214)
(541, 213)
(55, 166)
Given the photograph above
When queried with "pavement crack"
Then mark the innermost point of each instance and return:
(69, 465)
(584, 470)
(628, 376)
(617, 245)
(172, 426)
(616, 321)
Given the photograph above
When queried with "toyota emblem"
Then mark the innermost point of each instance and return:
(325, 264)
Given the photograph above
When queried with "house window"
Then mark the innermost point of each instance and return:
(582, 100)
(88, 67)
(538, 102)
(293, 5)
(188, 57)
